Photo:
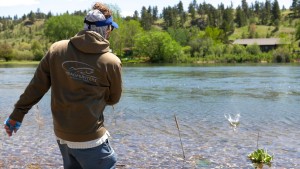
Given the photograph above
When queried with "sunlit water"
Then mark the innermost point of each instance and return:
(143, 128)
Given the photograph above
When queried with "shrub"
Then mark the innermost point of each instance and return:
(281, 55)
(238, 49)
(253, 49)
(6, 52)
(23, 55)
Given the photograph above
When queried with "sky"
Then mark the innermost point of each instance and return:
(127, 7)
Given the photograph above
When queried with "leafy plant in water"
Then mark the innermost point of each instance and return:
(261, 156)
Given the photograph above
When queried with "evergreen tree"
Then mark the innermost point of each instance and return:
(31, 16)
(266, 13)
(276, 14)
(154, 13)
(180, 8)
(195, 4)
(181, 13)
(170, 17)
(136, 15)
(212, 16)
(297, 35)
(146, 18)
(257, 8)
(245, 8)
(24, 17)
(192, 11)
(228, 22)
(295, 7)
(240, 18)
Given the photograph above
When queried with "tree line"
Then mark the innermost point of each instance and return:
(200, 34)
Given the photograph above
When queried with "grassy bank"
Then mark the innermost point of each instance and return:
(14, 62)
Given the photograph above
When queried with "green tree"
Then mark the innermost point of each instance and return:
(170, 17)
(128, 32)
(62, 27)
(240, 17)
(276, 14)
(298, 31)
(117, 36)
(180, 8)
(266, 13)
(192, 11)
(227, 22)
(146, 18)
(154, 13)
(31, 16)
(157, 46)
(295, 7)
(245, 8)
(136, 15)
(257, 8)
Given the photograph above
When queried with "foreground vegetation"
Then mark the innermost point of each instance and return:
(203, 34)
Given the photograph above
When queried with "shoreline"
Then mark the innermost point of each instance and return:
(129, 62)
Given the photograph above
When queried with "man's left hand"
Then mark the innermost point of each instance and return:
(11, 126)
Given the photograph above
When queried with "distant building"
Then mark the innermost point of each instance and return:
(265, 44)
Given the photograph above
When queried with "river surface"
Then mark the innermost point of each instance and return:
(143, 127)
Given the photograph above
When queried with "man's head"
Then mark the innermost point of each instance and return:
(99, 19)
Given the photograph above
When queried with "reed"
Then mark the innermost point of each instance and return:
(177, 125)
(39, 119)
(257, 140)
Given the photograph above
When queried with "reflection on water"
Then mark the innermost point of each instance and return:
(142, 125)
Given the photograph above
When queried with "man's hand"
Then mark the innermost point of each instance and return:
(11, 126)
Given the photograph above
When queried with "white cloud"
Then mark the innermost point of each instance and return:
(7, 3)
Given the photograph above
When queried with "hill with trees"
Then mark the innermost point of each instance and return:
(201, 34)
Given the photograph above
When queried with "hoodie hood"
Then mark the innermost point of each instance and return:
(90, 42)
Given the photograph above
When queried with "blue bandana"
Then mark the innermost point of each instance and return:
(108, 21)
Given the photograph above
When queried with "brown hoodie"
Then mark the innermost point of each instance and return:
(84, 77)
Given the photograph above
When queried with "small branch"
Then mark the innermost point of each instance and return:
(179, 135)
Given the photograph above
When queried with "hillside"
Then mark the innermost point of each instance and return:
(286, 29)
(28, 41)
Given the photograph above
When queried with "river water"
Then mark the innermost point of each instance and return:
(143, 128)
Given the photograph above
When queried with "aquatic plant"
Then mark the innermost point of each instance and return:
(261, 156)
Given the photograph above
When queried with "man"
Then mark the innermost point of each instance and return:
(84, 77)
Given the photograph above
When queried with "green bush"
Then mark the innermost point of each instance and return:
(238, 49)
(6, 52)
(158, 47)
(23, 55)
(24, 46)
(253, 49)
(281, 55)
(37, 51)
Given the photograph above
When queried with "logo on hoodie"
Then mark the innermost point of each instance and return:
(79, 71)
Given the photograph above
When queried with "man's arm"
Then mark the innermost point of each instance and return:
(115, 79)
(36, 89)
